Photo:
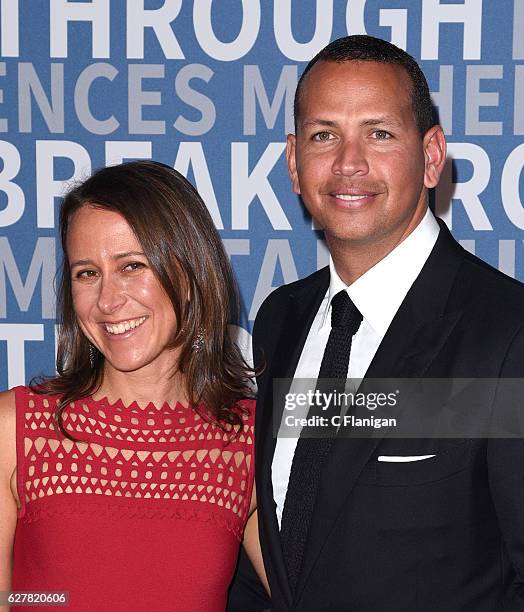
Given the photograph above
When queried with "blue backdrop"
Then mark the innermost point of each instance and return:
(208, 88)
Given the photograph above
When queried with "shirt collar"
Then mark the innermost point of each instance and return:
(379, 292)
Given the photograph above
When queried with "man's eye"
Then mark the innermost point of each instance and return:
(381, 135)
(322, 136)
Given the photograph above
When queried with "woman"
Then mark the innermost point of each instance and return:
(131, 480)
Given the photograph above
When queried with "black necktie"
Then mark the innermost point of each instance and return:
(311, 452)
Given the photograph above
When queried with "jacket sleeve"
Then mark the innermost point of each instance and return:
(247, 593)
(266, 331)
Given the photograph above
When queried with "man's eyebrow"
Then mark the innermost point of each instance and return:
(87, 262)
(382, 120)
(318, 123)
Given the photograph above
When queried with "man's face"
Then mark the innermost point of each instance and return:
(358, 159)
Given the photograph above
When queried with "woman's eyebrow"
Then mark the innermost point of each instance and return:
(85, 262)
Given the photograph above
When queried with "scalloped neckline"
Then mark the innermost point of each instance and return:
(135, 407)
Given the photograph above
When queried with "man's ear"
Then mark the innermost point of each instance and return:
(434, 154)
(292, 162)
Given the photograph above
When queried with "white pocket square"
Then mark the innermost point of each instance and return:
(404, 459)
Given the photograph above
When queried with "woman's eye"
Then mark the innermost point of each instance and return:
(382, 135)
(323, 136)
(134, 265)
(86, 274)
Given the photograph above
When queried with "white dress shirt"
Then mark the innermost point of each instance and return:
(378, 295)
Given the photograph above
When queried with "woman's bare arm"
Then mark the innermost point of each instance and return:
(8, 506)
(252, 542)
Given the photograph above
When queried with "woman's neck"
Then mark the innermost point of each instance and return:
(149, 384)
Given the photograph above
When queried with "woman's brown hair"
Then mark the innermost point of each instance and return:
(185, 252)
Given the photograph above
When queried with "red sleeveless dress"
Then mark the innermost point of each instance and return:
(147, 513)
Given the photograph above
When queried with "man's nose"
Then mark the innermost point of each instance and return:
(111, 295)
(350, 159)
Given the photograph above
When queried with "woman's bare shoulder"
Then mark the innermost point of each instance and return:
(7, 405)
(7, 426)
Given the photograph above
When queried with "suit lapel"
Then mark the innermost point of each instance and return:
(415, 337)
(302, 307)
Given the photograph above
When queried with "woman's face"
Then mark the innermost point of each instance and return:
(119, 303)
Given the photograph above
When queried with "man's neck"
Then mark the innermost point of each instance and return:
(352, 259)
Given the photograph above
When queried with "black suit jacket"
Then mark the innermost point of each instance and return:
(442, 535)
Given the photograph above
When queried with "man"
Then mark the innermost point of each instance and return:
(384, 524)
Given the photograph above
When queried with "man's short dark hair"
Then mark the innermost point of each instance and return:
(370, 49)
